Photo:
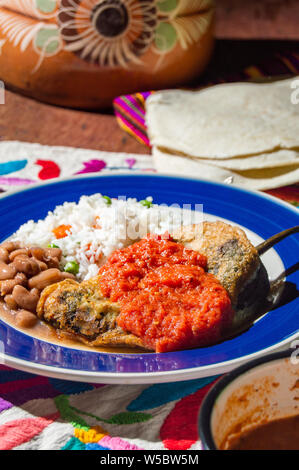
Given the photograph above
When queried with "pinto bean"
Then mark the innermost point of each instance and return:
(4, 256)
(10, 302)
(15, 253)
(26, 265)
(22, 264)
(41, 264)
(26, 319)
(35, 291)
(37, 252)
(25, 299)
(53, 253)
(10, 246)
(35, 268)
(45, 278)
(53, 262)
(7, 271)
(68, 276)
(6, 287)
(21, 278)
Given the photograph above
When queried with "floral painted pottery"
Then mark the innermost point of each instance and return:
(83, 53)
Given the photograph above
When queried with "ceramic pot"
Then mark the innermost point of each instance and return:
(83, 53)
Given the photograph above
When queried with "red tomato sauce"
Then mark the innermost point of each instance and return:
(165, 295)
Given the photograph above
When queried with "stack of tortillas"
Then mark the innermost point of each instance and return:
(245, 134)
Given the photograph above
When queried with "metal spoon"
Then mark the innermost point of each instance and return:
(267, 244)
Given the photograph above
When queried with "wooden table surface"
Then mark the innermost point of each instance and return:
(27, 120)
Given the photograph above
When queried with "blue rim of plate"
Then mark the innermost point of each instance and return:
(260, 213)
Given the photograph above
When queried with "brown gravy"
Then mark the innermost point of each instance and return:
(281, 434)
(47, 333)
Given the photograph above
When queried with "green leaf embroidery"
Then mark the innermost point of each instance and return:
(128, 417)
(67, 413)
(71, 414)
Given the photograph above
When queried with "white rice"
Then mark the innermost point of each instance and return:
(98, 229)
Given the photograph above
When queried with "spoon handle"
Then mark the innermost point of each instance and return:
(267, 244)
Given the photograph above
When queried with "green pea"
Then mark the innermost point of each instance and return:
(146, 203)
(52, 245)
(71, 267)
(107, 200)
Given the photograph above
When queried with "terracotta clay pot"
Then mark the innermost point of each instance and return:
(83, 53)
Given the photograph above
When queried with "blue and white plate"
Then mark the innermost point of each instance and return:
(260, 215)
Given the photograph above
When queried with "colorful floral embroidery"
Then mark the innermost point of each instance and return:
(92, 435)
(74, 444)
(160, 394)
(19, 431)
(49, 169)
(92, 166)
(180, 429)
(12, 166)
(16, 181)
(131, 162)
(72, 421)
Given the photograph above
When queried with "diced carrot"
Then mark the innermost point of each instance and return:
(96, 224)
(61, 231)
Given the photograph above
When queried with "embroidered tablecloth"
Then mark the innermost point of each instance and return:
(44, 413)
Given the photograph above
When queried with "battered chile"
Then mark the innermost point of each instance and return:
(166, 296)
